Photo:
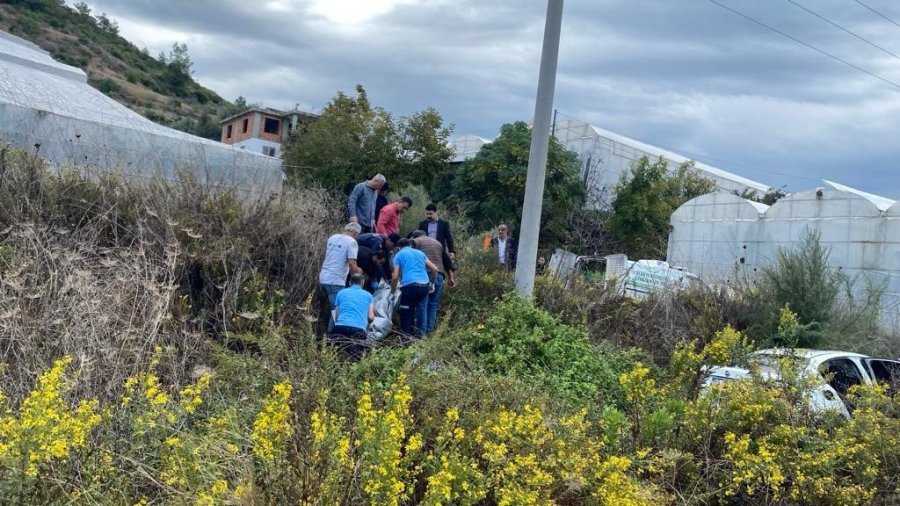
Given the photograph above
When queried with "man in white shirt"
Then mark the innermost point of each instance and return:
(505, 247)
(340, 260)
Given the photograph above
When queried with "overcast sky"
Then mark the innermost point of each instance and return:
(685, 75)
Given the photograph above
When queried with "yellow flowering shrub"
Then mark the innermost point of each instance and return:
(331, 462)
(453, 477)
(272, 427)
(190, 396)
(45, 428)
(385, 444)
(151, 405)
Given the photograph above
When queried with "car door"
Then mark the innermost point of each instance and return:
(842, 374)
(885, 372)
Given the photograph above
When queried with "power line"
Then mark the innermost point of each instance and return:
(876, 12)
(832, 23)
(814, 48)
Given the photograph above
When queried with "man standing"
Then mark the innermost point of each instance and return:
(505, 247)
(436, 254)
(382, 200)
(354, 310)
(438, 229)
(340, 259)
(389, 219)
(362, 200)
(411, 271)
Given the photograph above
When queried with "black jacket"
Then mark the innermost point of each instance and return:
(510, 251)
(443, 234)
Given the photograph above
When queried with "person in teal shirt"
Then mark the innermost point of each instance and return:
(413, 272)
(353, 312)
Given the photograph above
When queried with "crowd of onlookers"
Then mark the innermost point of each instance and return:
(371, 255)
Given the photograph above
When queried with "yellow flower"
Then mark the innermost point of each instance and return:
(272, 426)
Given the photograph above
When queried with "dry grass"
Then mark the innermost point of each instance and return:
(106, 271)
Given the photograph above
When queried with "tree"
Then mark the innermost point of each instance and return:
(352, 141)
(178, 69)
(491, 185)
(644, 201)
(82, 9)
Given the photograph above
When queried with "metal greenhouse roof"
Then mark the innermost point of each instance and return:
(48, 106)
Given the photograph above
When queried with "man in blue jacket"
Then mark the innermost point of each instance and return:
(361, 203)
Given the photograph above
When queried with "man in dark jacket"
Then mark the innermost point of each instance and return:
(438, 229)
(374, 264)
(504, 247)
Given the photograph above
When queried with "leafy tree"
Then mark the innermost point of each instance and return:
(352, 140)
(424, 148)
(83, 9)
(644, 201)
(491, 186)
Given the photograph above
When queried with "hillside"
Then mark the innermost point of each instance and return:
(160, 88)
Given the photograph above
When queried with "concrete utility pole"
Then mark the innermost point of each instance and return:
(537, 156)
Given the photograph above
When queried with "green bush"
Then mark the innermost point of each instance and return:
(520, 339)
(802, 280)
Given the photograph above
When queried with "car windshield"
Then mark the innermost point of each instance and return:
(772, 363)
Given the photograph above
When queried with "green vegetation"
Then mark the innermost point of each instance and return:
(162, 348)
(353, 140)
(490, 185)
(645, 199)
(161, 89)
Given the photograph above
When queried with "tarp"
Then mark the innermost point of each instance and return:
(385, 305)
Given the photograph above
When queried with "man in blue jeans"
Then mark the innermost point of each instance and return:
(435, 252)
(413, 271)
(340, 260)
(354, 310)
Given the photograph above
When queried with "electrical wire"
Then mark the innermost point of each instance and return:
(847, 30)
(876, 12)
(814, 48)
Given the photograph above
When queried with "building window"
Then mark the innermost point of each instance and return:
(228, 131)
(245, 125)
(271, 126)
(268, 150)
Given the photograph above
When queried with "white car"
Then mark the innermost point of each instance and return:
(836, 372)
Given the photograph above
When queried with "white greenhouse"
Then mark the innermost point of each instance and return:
(605, 156)
(720, 236)
(49, 108)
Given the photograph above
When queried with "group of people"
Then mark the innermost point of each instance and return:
(370, 254)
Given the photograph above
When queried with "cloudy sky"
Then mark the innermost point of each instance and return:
(686, 75)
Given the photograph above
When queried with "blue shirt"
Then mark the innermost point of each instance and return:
(412, 266)
(353, 307)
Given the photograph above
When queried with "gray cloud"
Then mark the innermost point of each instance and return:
(687, 75)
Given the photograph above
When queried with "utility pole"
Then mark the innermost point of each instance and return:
(537, 156)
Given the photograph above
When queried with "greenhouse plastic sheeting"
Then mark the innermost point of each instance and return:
(47, 107)
(720, 236)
